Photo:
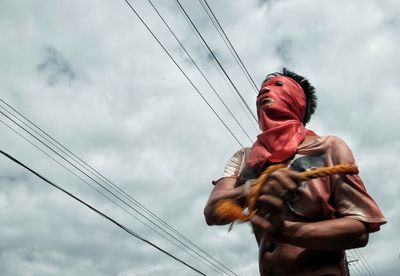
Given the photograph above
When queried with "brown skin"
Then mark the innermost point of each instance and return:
(335, 234)
(223, 189)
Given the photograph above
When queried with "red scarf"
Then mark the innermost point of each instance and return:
(281, 106)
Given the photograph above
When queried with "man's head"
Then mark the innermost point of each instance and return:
(284, 104)
(306, 87)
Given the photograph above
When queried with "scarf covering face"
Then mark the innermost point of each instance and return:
(280, 113)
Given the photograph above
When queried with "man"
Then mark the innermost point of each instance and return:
(302, 228)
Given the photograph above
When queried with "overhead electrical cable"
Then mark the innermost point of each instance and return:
(198, 68)
(221, 73)
(108, 198)
(58, 162)
(100, 176)
(224, 39)
(352, 264)
(207, 262)
(216, 59)
(369, 268)
(363, 264)
(216, 93)
(183, 72)
(227, 42)
(126, 229)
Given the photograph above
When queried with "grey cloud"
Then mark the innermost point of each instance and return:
(283, 50)
(140, 123)
(55, 67)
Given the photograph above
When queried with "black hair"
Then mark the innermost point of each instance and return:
(309, 90)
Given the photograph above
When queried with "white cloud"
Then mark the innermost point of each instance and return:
(107, 91)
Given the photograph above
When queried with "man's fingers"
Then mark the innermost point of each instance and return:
(262, 222)
(281, 183)
(271, 204)
(269, 225)
(287, 177)
(273, 187)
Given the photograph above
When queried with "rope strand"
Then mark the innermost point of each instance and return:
(229, 210)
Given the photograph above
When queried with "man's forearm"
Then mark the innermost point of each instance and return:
(335, 234)
(224, 189)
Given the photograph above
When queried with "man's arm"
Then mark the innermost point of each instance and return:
(335, 234)
(223, 189)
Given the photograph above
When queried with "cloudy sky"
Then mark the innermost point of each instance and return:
(90, 74)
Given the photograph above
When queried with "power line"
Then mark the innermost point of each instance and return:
(216, 59)
(114, 202)
(180, 69)
(223, 36)
(350, 264)
(253, 122)
(208, 82)
(108, 183)
(198, 68)
(228, 43)
(184, 75)
(102, 178)
(363, 262)
(361, 266)
(126, 229)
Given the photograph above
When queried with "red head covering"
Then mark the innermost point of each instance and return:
(281, 105)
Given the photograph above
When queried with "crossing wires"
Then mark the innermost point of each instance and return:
(199, 70)
(182, 71)
(109, 190)
(104, 186)
(189, 80)
(239, 99)
(186, 15)
(227, 42)
(358, 263)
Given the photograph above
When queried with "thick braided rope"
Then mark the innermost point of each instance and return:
(326, 171)
(307, 175)
(229, 210)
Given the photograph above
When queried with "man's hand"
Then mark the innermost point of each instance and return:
(336, 234)
(280, 185)
(223, 189)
